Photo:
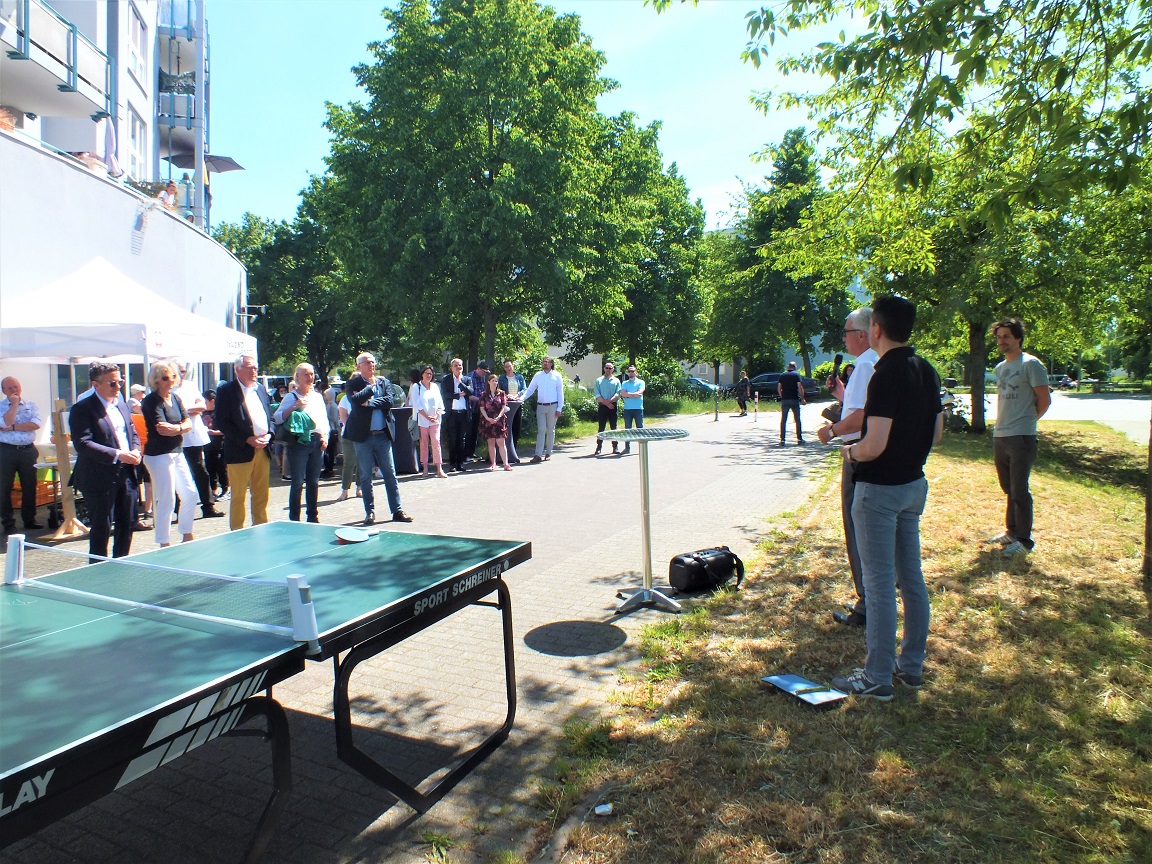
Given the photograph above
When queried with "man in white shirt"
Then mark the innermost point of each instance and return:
(244, 416)
(548, 385)
(848, 429)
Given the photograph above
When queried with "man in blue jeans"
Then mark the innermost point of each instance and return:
(371, 428)
(902, 421)
(790, 389)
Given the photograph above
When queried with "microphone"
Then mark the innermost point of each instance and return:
(836, 361)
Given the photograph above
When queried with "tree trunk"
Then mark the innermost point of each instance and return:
(806, 357)
(1147, 569)
(974, 370)
(490, 334)
(473, 356)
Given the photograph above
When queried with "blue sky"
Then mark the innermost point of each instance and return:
(276, 62)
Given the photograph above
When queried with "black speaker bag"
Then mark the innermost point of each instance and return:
(705, 569)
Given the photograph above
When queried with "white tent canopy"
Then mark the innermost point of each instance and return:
(99, 312)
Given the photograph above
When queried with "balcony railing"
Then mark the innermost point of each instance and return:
(41, 34)
(178, 17)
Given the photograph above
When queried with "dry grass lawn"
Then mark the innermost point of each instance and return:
(1030, 742)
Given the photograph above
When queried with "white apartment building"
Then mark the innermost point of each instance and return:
(95, 97)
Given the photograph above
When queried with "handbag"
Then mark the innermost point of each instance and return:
(706, 569)
(832, 412)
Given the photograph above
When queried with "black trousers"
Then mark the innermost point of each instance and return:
(331, 451)
(18, 460)
(472, 438)
(111, 504)
(214, 463)
(514, 428)
(194, 456)
(455, 430)
(605, 417)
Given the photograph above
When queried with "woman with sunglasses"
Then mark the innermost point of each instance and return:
(166, 422)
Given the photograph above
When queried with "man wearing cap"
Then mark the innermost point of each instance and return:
(372, 429)
(790, 389)
(478, 378)
(19, 420)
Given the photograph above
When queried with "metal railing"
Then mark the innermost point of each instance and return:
(39, 26)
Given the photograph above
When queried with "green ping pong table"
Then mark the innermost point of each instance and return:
(111, 670)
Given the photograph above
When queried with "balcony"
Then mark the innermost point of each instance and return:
(179, 19)
(49, 68)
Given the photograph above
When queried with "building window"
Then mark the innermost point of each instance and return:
(137, 146)
(137, 46)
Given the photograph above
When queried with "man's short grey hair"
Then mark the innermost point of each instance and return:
(241, 358)
(366, 355)
(861, 319)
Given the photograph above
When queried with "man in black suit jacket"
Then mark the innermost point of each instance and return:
(372, 429)
(456, 390)
(107, 453)
(244, 416)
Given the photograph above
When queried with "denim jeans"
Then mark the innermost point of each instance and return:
(633, 417)
(1014, 456)
(887, 520)
(790, 406)
(375, 453)
(305, 461)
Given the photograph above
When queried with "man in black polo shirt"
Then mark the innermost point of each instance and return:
(790, 389)
(902, 420)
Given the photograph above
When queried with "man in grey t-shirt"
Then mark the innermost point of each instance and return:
(1022, 398)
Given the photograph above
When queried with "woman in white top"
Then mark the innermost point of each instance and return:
(428, 404)
(305, 460)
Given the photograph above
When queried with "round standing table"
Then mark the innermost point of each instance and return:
(646, 595)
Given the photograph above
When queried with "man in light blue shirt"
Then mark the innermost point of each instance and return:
(548, 385)
(19, 420)
(632, 395)
(607, 393)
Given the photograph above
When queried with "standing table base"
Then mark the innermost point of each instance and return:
(647, 595)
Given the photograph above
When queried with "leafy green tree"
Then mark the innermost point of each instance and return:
(304, 287)
(777, 304)
(461, 185)
(1070, 76)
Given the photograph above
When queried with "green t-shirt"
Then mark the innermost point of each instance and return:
(1016, 400)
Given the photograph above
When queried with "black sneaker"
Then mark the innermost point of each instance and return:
(907, 678)
(850, 619)
(858, 685)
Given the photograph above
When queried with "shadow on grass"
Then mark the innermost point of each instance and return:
(1082, 451)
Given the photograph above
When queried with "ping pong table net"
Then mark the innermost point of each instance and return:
(127, 586)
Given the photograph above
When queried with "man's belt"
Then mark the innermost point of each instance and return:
(16, 446)
(545, 404)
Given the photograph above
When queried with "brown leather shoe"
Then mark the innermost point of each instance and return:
(536, 460)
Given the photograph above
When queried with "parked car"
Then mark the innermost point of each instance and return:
(765, 386)
(698, 385)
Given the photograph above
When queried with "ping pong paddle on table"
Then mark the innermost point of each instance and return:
(350, 534)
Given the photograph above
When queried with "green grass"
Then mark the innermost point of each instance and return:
(1031, 741)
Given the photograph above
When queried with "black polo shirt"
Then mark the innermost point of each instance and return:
(906, 389)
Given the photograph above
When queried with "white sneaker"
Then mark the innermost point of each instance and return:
(1001, 539)
(1015, 549)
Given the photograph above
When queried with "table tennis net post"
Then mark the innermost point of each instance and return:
(283, 609)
